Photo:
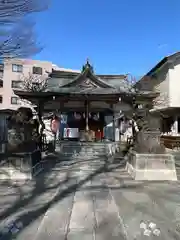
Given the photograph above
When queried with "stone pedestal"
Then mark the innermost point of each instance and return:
(149, 160)
(151, 167)
(21, 166)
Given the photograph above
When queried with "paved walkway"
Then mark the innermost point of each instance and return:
(89, 200)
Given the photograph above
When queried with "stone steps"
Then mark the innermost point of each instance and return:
(78, 150)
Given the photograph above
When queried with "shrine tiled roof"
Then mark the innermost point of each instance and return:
(86, 79)
(71, 75)
(96, 93)
(85, 84)
(99, 91)
(87, 74)
(104, 80)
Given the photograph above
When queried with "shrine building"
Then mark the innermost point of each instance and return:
(89, 105)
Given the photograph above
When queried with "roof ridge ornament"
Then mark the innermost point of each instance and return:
(87, 66)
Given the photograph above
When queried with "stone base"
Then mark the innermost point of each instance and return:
(23, 166)
(152, 167)
(9, 173)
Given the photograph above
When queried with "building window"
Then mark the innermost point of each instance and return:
(17, 68)
(1, 99)
(37, 70)
(16, 84)
(1, 83)
(14, 100)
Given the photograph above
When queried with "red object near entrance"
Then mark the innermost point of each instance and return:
(98, 135)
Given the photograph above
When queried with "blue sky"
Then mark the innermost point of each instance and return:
(118, 36)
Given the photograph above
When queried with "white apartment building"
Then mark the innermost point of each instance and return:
(11, 76)
(165, 78)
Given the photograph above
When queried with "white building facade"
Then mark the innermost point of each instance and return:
(165, 78)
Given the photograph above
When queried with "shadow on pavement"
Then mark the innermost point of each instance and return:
(45, 182)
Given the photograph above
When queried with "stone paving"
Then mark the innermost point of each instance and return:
(89, 200)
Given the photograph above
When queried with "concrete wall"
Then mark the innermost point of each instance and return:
(174, 83)
(166, 81)
(159, 82)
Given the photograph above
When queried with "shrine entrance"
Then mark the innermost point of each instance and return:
(78, 120)
(72, 125)
(86, 104)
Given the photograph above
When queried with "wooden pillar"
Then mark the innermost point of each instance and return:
(87, 114)
(113, 123)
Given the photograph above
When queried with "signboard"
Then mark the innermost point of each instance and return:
(71, 133)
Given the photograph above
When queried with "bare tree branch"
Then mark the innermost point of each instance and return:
(11, 10)
(17, 36)
(21, 43)
(34, 83)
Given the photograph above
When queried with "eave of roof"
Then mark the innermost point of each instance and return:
(157, 66)
(76, 92)
(160, 64)
(8, 111)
